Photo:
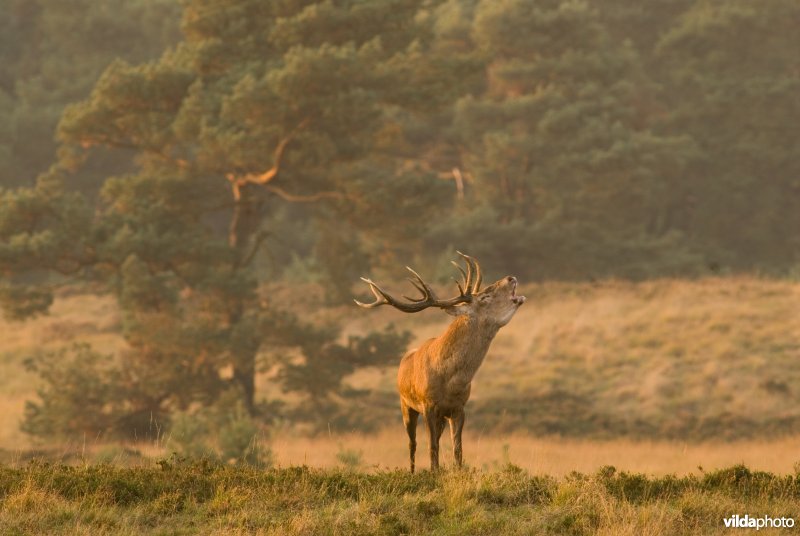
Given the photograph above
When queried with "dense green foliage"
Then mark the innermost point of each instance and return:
(312, 140)
(204, 498)
(52, 52)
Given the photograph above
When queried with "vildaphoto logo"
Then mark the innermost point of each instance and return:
(748, 522)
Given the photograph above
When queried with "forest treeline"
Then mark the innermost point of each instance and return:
(177, 156)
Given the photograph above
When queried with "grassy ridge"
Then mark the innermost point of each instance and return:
(668, 359)
(710, 359)
(202, 498)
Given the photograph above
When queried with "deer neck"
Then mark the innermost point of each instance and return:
(464, 345)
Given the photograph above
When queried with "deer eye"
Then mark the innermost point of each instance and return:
(484, 298)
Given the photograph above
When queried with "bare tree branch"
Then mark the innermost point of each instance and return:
(259, 240)
(459, 183)
(237, 181)
(297, 198)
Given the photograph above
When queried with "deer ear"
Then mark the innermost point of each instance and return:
(458, 310)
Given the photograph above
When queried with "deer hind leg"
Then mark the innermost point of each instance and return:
(456, 427)
(435, 428)
(410, 416)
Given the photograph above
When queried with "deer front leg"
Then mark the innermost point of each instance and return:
(435, 428)
(456, 426)
(410, 416)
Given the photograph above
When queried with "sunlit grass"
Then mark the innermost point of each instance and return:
(551, 455)
(705, 359)
(672, 366)
(202, 498)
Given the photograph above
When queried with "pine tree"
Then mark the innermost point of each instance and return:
(52, 52)
(734, 75)
(562, 149)
(261, 105)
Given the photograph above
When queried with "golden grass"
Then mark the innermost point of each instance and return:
(73, 317)
(665, 357)
(388, 449)
(547, 455)
(659, 352)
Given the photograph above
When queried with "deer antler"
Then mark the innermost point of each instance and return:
(471, 285)
(473, 270)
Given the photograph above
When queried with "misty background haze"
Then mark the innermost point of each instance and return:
(201, 184)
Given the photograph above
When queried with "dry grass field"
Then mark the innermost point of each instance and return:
(176, 497)
(713, 359)
(546, 455)
(660, 377)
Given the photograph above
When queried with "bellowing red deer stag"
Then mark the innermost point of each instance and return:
(436, 378)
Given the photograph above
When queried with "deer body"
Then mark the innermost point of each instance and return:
(439, 373)
(435, 380)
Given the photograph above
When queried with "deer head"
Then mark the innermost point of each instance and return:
(494, 305)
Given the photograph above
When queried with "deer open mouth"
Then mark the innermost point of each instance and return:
(517, 300)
